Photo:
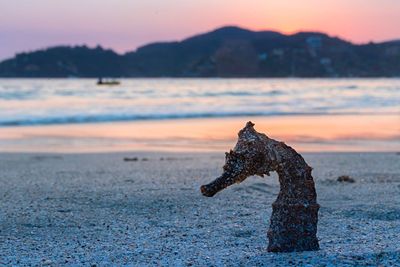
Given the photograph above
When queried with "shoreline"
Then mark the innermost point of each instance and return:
(322, 133)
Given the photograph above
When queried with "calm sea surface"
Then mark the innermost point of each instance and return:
(60, 101)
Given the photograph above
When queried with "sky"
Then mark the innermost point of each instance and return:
(124, 25)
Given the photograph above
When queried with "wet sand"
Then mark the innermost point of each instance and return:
(312, 133)
(86, 209)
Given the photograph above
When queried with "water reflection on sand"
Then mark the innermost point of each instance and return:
(306, 133)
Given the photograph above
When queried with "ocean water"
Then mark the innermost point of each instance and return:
(62, 101)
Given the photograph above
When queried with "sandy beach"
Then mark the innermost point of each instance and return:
(152, 133)
(97, 209)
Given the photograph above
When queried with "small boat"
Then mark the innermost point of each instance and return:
(100, 81)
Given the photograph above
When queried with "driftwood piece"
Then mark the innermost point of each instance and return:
(294, 219)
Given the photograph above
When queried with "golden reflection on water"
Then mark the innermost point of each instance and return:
(305, 133)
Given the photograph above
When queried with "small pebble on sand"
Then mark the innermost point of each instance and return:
(345, 179)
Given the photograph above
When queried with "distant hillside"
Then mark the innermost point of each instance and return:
(225, 52)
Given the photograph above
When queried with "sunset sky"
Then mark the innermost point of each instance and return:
(126, 24)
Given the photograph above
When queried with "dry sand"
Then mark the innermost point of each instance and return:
(86, 209)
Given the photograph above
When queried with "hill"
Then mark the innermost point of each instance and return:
(225, 52)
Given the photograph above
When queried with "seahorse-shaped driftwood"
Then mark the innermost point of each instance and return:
(294, 217)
